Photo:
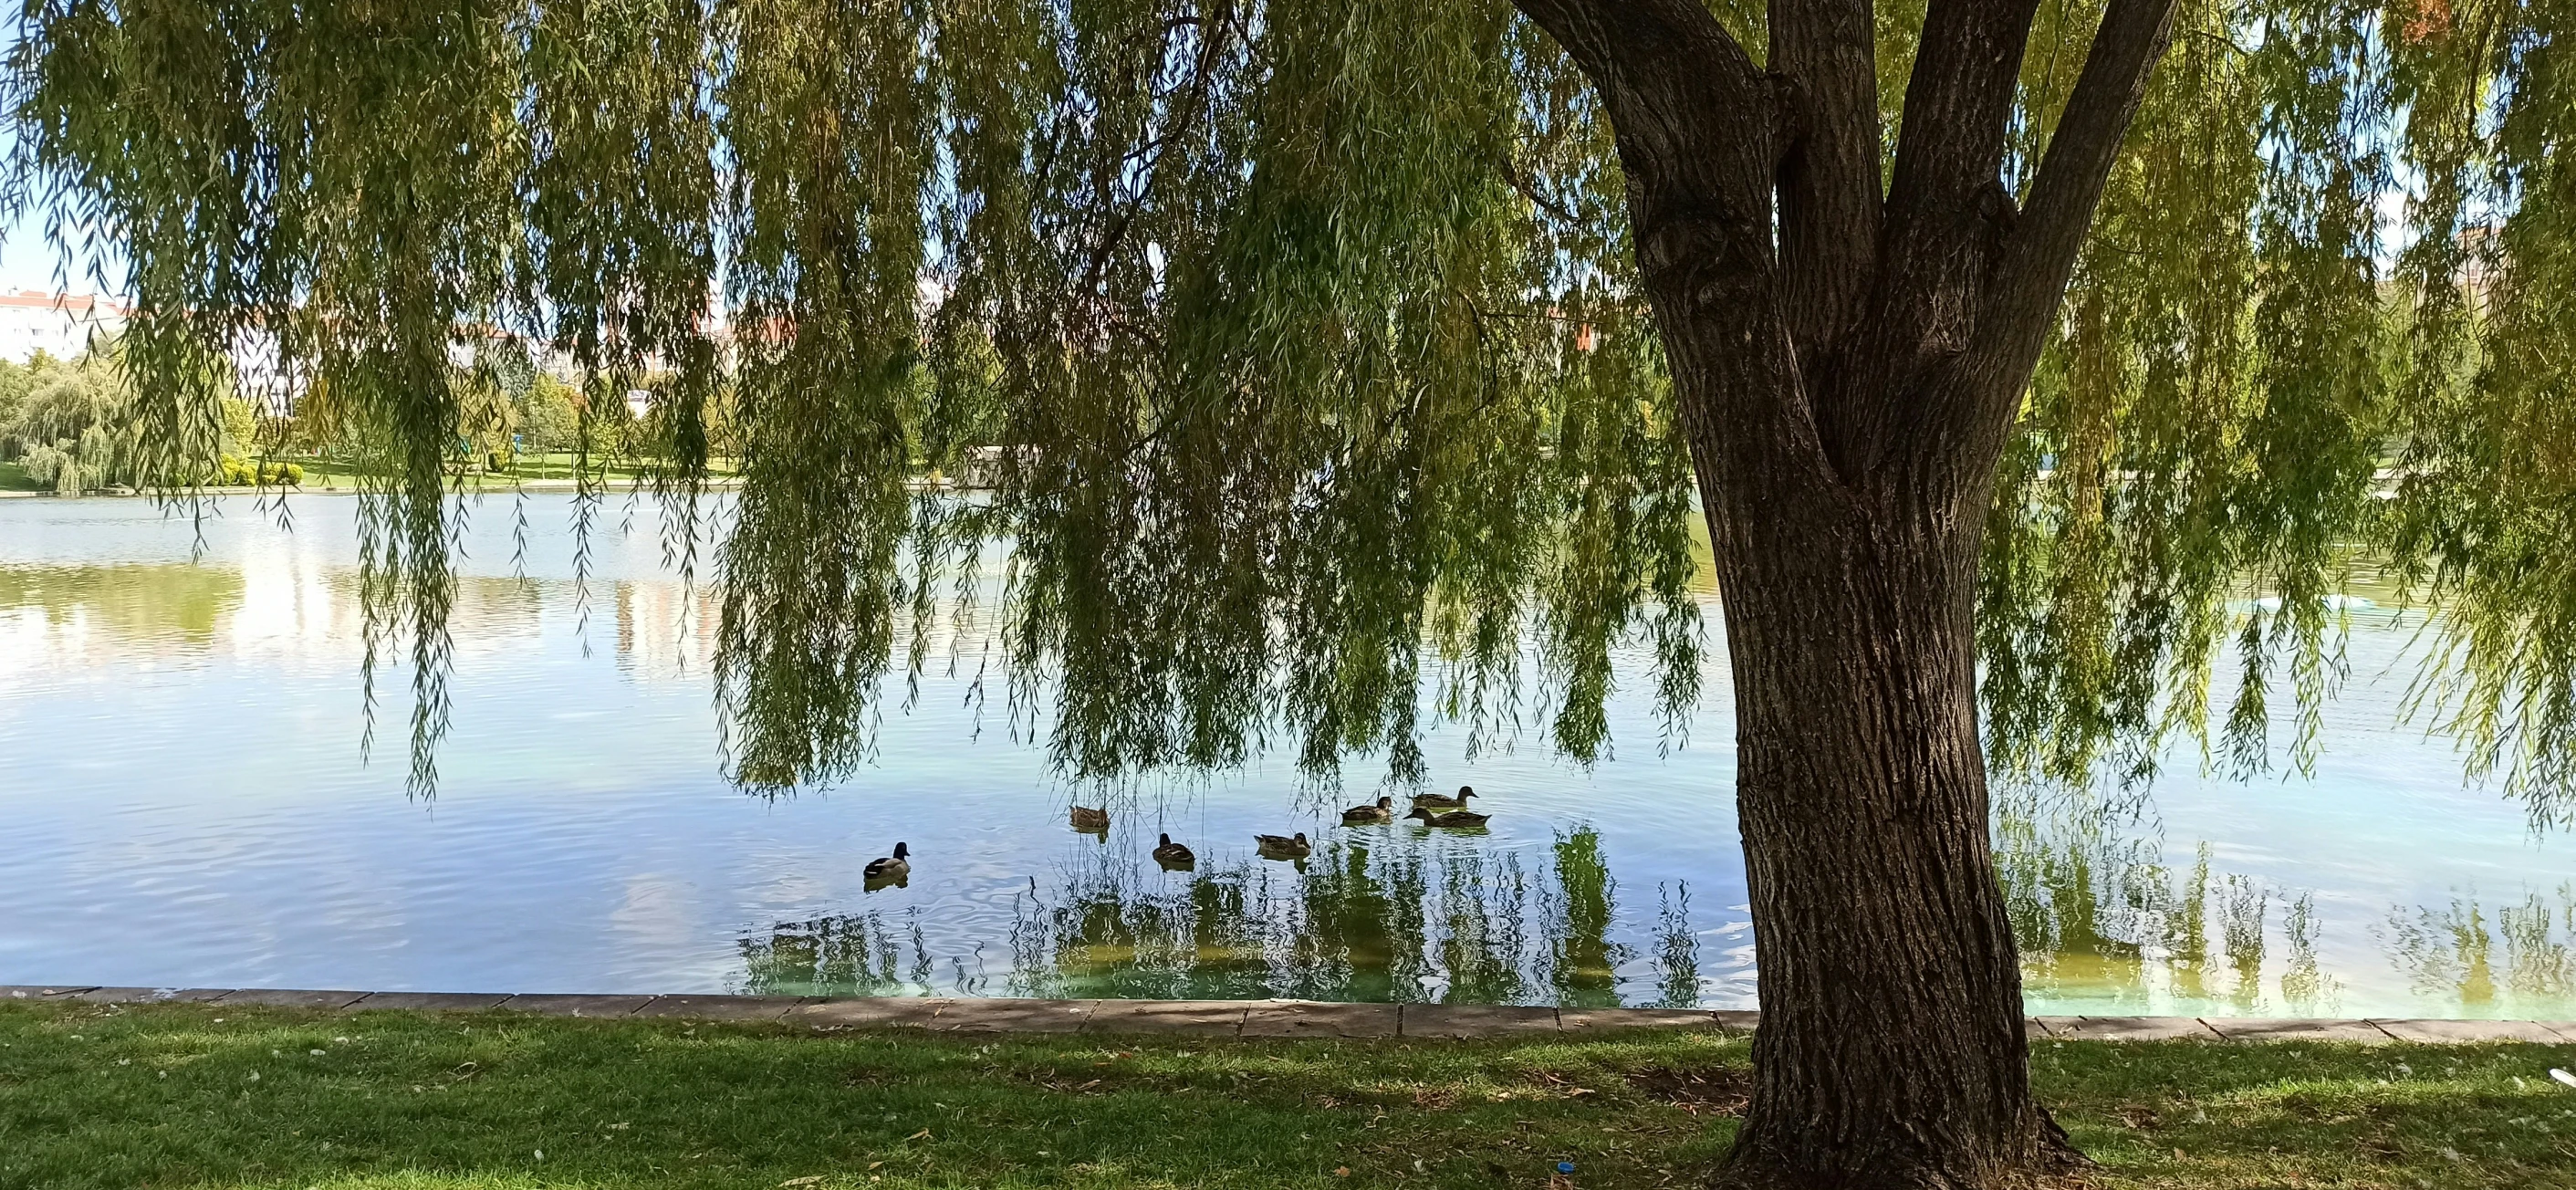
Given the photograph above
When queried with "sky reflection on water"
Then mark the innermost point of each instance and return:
(187, 804)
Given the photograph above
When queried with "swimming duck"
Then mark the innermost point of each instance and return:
(1383, 811)
(1173, 855)
(1452, 818)
(890, 867)
(1283, 846)
(1085, 819)
(1437, 802)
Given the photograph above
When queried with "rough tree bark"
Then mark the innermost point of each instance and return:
(1848, 359)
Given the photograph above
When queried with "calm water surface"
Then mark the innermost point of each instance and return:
(185, 802)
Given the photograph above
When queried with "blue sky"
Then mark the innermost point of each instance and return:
(28, 262)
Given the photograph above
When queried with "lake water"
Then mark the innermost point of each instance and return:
(184, 801)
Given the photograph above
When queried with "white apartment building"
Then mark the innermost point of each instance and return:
(58, 324)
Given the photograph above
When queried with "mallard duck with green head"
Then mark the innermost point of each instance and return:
(895, 867)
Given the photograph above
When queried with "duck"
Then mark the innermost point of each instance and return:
(1451, 818)
(1284, 846)
(1435, 801)
(1173, 855)
(890, 867)
(1383, 811)
(1086, 819)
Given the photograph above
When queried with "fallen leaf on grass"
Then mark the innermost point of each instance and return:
(809, 1180)
(924, 1134)
(1341, 1171)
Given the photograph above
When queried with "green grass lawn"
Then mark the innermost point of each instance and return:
(199, 1096)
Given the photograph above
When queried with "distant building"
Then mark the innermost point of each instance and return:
(2481, 264)
(59, 324)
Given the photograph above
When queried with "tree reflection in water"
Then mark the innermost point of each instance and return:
(2102, 917)
(1404, 918)
(849, 955)
(2107, 923)
(2452, 952)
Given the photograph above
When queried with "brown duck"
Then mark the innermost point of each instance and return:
(1433, 801)
(1451, 818)
(1283, 846)
(1383, 811)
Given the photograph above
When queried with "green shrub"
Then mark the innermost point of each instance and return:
(239, 473)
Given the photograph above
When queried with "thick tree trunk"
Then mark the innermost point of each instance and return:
(1847, 358)
(1891, 1051)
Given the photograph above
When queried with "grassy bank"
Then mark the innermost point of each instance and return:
(556, 467)
(187, 1095)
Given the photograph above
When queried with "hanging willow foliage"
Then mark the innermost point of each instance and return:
(1298, 345)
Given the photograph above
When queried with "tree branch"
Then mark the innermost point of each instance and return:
(2039, 255)
(1700, 131)
(1686, 102)
(1936, 244)
(1951, 147)
(1528, 188)
(1697, 126)
(1828, 182)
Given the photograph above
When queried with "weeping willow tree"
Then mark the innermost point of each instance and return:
(1321, 354)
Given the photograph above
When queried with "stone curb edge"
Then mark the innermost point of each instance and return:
(1268, 1018)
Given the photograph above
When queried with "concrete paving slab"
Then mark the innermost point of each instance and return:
(871, 1012)
(429, 1002)
(722, 1008)
(2295, 1029)
(2060, 1028)
(1474, 1020)
(1014, 1016)
(2132, 1028)
(30, 991)
(138, 995)
(1201, 1018)
(1587, 1019)
(290, 998)
(1738, 1020)
(1306, 1018)
(2032, 1028)
(558, 1005)
(2432, 1032)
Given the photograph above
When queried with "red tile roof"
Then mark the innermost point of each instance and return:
(77, 303)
